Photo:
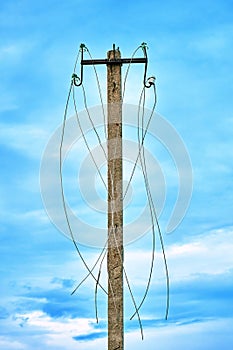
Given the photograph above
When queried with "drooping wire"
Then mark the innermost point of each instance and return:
(139, 151)
(113, 228)
(62, 188)
(129, 287)
(100, 94)
(92, 123)
(109, 234)
(157, 223)
(82, 47)
(143, 46)
(97, 135)
(153, 213)
(85, 140)
(92, 269)
(97, 283)
(127, 70)
(100, 144)
(143, 164)
(111, 177)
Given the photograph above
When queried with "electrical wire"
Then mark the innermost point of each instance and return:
(127, 70)
(62, 188)
(158, 226)
(85, 139)
(96, 285)
(92, 269)
(112, 230)
(100, 94)
(90, 118)
(129, 287)
(92, 123)
(143, 165)
(139, 152)
(153, 212)
(97, 135)
(100, 144)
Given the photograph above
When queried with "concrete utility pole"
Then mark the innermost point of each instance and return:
(115, 204)
(115, 207)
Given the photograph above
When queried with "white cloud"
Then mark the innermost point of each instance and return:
(72, 327)
(210, 253)
(9, 344)
(59, 332)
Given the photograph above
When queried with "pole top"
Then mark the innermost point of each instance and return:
(114, 54)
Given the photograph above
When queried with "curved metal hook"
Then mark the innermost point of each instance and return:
(151, 80)
(74, 76)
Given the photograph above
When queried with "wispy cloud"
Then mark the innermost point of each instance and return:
(166, 337)
(10, 344)
(211, 253)
(27, 139)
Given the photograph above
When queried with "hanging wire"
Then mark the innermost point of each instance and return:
(96, 132)
(100, 95)
(152, 210)
(127, 70)
(97, 135)
(92, 123)
(143, 46)
(139, 151)
(62, 188)
(100, 144)
(112, 230)
(143, 164)
(96, 285)
(85, 139)
(74, 77)
(83, 47)
(156, 216)
(83, 135)
(129, 287)
(91, 270)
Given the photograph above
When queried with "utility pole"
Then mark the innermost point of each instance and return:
(115, 204)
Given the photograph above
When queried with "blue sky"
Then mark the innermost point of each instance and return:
(190, 52)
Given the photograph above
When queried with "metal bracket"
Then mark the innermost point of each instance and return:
(78, 81)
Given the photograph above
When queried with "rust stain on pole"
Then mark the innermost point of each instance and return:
(115, 207)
